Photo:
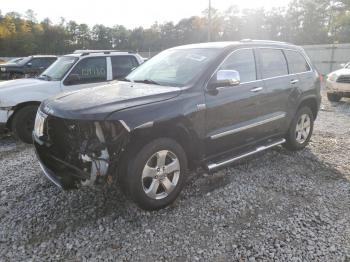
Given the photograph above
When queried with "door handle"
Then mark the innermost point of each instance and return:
(258, 89)
(294, 81)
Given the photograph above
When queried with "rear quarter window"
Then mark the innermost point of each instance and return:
(296, 62)
(123, 65)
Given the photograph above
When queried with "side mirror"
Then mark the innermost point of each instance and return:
(225, 78)
(342, 65)
(29, 64)
(72, 79)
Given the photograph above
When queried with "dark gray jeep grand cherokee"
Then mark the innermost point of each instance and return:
(202, 105)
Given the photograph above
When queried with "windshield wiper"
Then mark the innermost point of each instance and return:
(147, 81)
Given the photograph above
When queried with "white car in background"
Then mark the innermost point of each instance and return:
(338, 84)
(19, 99)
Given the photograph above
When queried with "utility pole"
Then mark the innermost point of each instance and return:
(209, 21)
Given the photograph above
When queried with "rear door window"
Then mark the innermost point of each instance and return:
(273, 63)
(296, 62)
(243, 61)
(89, 70)
(122, 65)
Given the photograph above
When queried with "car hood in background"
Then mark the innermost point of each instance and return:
(13, 92)
(10, 65)
(343, 71)
(22, 83)
(97, 103)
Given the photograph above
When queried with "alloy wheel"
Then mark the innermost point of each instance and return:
(161, 174)
(303, 128)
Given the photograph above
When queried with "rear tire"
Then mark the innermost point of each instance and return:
(23, 123)
(333, 97)
(146, 179)
(300, 131)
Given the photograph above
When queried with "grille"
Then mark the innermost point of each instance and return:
(344, 79)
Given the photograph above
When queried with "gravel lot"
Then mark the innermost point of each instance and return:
(278, 206)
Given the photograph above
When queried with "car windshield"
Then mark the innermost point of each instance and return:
(24, 60)
(59, 68)
(174, 67)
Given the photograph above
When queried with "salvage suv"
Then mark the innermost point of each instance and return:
(20, 99)
(205, 105)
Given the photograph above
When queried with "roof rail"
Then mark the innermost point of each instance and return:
(89, 51)
(262, 41)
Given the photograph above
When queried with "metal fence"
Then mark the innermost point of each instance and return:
(328, 58)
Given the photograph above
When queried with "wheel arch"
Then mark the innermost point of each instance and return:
(312, 103)
(178, 130)
(19, 107)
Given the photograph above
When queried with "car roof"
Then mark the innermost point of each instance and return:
(243, 42)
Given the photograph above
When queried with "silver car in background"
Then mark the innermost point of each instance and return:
(338, 84)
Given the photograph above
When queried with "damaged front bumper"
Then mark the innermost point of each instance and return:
(58, 171)
(72, 155)
(5, 114)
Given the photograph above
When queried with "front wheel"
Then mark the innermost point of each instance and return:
(14, 76)
(156, 174)
(300, 131)
(23, 123)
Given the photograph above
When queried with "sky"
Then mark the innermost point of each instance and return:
(130, 13)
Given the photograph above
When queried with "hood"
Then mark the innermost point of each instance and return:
(21, 83)
(97, 103)
(10, 65)
(13, 92)
(343, 71)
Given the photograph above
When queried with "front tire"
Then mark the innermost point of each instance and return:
(300, 131)
(155, 175)
(14, 76)
(333, 97)
(23, 123)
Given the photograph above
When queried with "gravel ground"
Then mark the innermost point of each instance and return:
(278, 205)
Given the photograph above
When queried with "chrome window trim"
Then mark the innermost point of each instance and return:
(262, 79)
(288, 49)
(225, 59)
(243, 128)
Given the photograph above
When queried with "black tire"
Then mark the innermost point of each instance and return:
(131, 179)
(23, 123)
(14, 76)
(334, 97)
(291, 137)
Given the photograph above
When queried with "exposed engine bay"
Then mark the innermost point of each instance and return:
(81, 152)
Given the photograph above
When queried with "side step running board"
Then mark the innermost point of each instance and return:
(214, 166)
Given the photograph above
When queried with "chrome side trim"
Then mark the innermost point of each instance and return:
(145, 125)
(125, 125)
(240, 129)
(214, 166)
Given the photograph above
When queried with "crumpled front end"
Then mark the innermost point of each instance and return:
(74, 153)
